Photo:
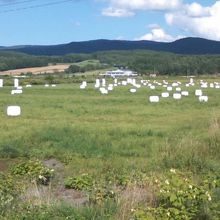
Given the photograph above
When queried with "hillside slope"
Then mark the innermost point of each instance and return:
(183, 46)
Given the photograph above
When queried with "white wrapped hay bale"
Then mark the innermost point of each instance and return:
(46, 85)
(16, 83)
(103, 82)
(204, 85)
(124, 83)
(203, 98)
(154, 99)
(152, 87)
(28, 86)
(175, 84)
(110, 88)
(13, 110)
(103, 90)
(211, 85)
(97, 83)
(137, 86)
(177, 96)
(1, 83)
(185, 93)
(178, 89)
(82, 87)
(169, 88)
(16, 91)
(198, 92)
(129, 80)
(133, 90)
(84, 83)
(165, 94)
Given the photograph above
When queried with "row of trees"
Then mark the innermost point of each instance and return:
(163, 63)
(140, 60)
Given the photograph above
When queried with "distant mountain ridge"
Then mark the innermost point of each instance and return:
(190, 46)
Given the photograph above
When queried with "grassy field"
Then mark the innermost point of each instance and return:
(120, 133)
(37, 70)
(59, 67)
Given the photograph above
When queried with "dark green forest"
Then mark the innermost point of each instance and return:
(142, 61)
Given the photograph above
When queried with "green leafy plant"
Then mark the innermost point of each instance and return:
(8, 191)
(33, 170)
(81, 182)
(179, 198)
(102, 193)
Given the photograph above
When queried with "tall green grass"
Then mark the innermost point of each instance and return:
(65, 120)
(120, 134)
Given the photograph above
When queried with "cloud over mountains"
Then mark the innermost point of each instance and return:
(192, 18)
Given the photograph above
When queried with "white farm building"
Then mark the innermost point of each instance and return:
(119, 72)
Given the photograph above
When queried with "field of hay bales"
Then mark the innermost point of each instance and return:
(77, 154)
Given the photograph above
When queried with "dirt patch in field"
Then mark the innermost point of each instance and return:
(57, 192)
(39, 195)
(71, 196)
(37, 70)
(53, 164)
(3, 165)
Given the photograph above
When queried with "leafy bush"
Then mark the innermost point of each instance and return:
(102, 194)
(179, 198)
(8, 191)
(33, 170)
(81, 182)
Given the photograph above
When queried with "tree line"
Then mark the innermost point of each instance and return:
(144, 62)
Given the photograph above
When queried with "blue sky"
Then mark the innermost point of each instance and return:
(80, 20)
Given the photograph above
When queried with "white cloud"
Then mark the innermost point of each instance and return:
(117, 12)
(146, 4)
(196, 10)
(194, 18)
(198, 20)
(127, 8)
(158, 34)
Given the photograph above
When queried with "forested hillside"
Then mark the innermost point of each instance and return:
(142, 61)
(183, 46)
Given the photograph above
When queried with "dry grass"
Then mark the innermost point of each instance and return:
(37, 70)
(38, 195)
(131, 197)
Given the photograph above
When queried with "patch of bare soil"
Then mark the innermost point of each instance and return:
(55, 192)
(3, 165)
(71, 196)
(53, 164)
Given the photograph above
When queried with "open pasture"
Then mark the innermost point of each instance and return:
(108, 145)
(65, 120)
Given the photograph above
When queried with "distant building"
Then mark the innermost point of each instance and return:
(119, 72)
